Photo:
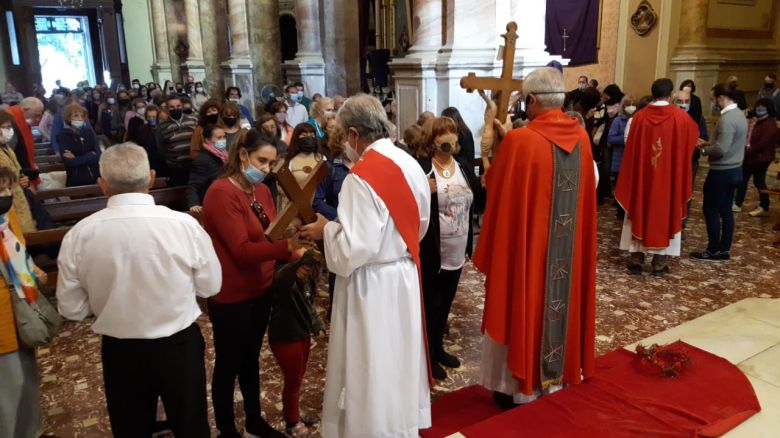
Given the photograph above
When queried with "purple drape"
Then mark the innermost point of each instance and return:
(580, 20)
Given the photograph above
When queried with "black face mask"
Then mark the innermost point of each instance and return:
(124, 102)
(307, 145)
(176, 113)
(230, 121)
(5, 203)
(212, 118)
(769, 85)
(187, 110)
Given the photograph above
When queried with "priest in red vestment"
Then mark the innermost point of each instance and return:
(27, 114)
(655, 182)
(537, 249)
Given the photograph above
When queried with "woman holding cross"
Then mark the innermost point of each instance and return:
(237, 211)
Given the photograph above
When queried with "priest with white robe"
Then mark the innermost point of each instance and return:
(377, 381)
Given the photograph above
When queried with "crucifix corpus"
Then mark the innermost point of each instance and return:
(501, 88)
(300, 197)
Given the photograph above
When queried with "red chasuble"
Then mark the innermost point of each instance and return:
(514, 247)
(655, 182)
(389, 183)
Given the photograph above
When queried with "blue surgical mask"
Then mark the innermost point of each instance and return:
(221, 144)
(294, 97)
(77, 123)
(253, 174)
(761, 111)
(151, 122)
(684, 106)
(300, 95)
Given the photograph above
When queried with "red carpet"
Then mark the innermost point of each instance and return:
(624, 399)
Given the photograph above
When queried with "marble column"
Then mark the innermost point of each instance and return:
(237, 71)
(161, 70)
(266, 53)
(193, 65)
(215, 41)
(342, 54)
(308, 66)
(426, 28)
(693, 23)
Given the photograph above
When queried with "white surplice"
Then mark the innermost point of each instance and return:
(377, 376)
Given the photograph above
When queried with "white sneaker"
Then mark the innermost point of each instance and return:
(736, 208)
(759, 212)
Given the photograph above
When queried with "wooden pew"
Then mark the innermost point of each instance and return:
(74, 210)
(44, 152)
(53, 167)
(47, 159)
(85, 191)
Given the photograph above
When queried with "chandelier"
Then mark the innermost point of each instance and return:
(71, 4)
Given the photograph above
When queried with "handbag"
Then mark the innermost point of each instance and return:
(36, 323)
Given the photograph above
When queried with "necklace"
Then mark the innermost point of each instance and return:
(445, 168)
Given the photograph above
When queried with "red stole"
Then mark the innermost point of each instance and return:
(27, 137)
(389, 183)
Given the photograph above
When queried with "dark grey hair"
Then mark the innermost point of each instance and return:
(366, 114)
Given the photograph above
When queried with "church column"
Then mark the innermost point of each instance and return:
(427, 25)
(237, 71)
(308, 65)
(266, 53)
(193, 65)
(161, 70)
(693, 23)
(692, 59)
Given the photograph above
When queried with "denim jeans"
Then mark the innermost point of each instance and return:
(719, 189)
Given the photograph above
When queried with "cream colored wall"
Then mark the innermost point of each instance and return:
(138, 39)
(604, 70)
(637, 59)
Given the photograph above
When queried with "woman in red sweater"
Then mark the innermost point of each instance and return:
(236, 211)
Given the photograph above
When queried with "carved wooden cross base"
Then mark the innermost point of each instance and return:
(300, 198)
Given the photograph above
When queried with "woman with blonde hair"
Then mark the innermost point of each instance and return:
(450, 236)
(321, 110)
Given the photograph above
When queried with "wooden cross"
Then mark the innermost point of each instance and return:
(565, 37)
(300, 197)
(502, 87)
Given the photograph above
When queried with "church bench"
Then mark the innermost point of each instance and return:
(74, 210)
(85, 191)
(47, 159)
(44, 152)
(51, 167)
(42, 145)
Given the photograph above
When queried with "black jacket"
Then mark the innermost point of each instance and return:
(430, 246)
(83, 169)
(466, 142)
(206, 167)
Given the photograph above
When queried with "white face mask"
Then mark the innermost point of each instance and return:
(110, 101)
(631, 109)
(350, 153)
(7, 135)
(199, 89)
(141, 111)
(234, 99)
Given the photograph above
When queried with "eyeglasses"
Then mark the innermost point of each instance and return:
(265, 221)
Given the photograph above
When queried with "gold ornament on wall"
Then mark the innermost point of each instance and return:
(644, 19)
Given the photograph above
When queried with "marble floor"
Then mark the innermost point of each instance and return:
(629, 309)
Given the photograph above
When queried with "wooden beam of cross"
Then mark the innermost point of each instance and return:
(300, 197)
(502, 87)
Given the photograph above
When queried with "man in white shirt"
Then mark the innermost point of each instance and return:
(296, 112)
(138, 268)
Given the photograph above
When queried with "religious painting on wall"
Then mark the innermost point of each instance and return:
(644, 19)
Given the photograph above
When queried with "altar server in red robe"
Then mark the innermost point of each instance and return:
(538, 251)
(655, 181)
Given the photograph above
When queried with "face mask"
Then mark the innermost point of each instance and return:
(716, 107)
(307, 145)
(5, 204)
(300, 95)
(212, 118)
(177, 113)
(124, 102)
(582, 87)
(688, 89)
(110, 101)
(294, 97)
(761, 111)
(684, 106)
(151, 122)
(221, 144)
(230, 121)
(253, 174)
(8, 135)
(234, 99)
(446, 143)
(187, 110)
(769, 85)
(136, 86)
(280, 117)
(28, 121)
(77, 123)
(179, 90)
(199, 89)
(631, 109)
(140, 111)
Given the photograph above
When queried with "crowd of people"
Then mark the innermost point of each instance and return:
(383, 245)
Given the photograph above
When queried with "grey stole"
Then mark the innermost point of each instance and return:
(560, 254)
